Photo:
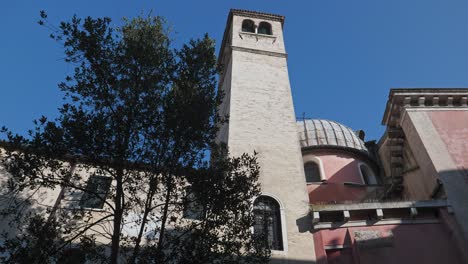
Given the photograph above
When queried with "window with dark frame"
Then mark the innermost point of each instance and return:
(192, 207)
(312, 172)
(267, 224)
(248, 26)
(97, 188)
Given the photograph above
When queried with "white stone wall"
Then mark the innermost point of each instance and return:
(262, 119)
(225, 105)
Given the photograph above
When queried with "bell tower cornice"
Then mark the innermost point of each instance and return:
(227, 46)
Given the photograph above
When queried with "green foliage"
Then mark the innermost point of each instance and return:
(34, 244)
(145, 114)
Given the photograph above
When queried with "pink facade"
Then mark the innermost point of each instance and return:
(430, 237)
(452, 127)
(339, 167)
(387, 244)
(336, 192)
(354, 224)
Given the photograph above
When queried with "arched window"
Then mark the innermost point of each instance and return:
(248, 26)
(267, 224)
(312, 172)
(367, 174)
(264, 28)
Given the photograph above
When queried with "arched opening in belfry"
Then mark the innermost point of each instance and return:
(264, 28)
(248, 26)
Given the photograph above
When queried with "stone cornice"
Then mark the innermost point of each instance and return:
(330, 225)
(262, 52)
(380, 210)
(378, 205)
(422, 98)
(255, 14)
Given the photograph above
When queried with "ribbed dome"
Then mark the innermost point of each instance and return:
(319, 132)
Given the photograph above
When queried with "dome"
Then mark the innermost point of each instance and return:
(326, 133)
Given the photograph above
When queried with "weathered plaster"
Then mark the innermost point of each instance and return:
(434, 158)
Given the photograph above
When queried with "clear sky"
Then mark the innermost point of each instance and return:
(344, 55)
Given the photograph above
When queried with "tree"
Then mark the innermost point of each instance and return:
(144, 115)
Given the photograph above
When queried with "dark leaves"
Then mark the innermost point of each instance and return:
(145, 114)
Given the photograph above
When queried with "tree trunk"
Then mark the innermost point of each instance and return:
(164, 218)
(117, 218)
(136, 249)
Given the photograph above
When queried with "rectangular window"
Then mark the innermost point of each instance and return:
(192, 207)
(96, 192)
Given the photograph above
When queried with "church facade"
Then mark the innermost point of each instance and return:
(328, 196)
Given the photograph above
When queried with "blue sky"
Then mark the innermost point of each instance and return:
(344, 55)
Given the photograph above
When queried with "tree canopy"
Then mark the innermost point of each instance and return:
(134, 155)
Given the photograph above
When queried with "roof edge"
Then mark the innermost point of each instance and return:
(256, 14)
(426, 94)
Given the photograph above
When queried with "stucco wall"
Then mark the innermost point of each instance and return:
(389, 244)
(438, 155)
(452, 127)
(34, 201)
(338, 167)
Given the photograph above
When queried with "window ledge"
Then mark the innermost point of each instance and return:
(317, 183)
(257, 34)
(355, 184)
(90, 209)
(275, 252)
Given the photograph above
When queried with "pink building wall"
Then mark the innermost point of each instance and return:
(402, 244)
(438, 139)
(339, 167)
(429, 147)
(452, 127)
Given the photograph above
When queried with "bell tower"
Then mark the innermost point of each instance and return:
(258, 101)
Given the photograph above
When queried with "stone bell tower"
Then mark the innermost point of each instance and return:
(261, 118)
